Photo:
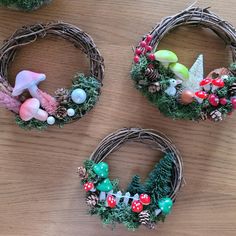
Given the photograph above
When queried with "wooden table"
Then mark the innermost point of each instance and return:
(40, 193)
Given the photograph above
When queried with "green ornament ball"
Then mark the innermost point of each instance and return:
(165, 204)
(105, 186)
(101, 169)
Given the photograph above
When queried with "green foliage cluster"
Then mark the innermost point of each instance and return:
(157, 185)
(92, 88)
(170, 105)
(25, 5)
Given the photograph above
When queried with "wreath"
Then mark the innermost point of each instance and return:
(42, 109)
(141, 203)
(179, 92)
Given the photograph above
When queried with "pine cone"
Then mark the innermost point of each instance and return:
(61, 112)
(203, 116)
(216, 116)
(232, 89)
(62, 95)
(155, 87)
(82, 172)
(144, 217)
(152, 74)
(92, 200)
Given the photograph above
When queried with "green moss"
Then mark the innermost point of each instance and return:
(25, 5)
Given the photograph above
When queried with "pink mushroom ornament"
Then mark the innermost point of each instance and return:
(29, 80)
(31, 109)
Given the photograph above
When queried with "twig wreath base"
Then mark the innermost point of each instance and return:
(141, 203)
(180, 93)
(67, 104)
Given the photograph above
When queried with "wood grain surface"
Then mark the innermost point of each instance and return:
(40, 193)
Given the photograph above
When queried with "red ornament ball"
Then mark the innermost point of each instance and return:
(111, 202)
(137, 206)
(88, 186)
(145, 199)
(148, 38)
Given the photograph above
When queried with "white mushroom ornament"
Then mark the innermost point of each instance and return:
(28, 80)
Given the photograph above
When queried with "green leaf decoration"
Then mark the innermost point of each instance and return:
(104, 186)
(101, 169)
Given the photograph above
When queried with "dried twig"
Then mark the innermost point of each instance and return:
(28, 34)
(196, 16)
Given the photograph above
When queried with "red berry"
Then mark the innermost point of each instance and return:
(233, 101)
(138, 51)
(213, 100)
(151, 57)
(111, 202)
(143, 44)
(145, 199)
(136, 59)
(88, 186)
(137, 206)
(149, 49)
(148, 38)
(223, 101)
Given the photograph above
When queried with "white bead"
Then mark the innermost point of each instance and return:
(51, 120)
(70, 112)
(78, 96)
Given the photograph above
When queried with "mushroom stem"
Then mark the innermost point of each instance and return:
(33, 90)
(41, 115)
(165, 64)
(199, 100)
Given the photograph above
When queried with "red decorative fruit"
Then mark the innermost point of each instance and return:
(88, 186)
(223, 101)
(137, 206)
(143, 44)
(148, 38)
(145, 199)
(151, 57)
(149, 49)
(138, 51)
(233, 100)
(111, 202)
(213, 100)
(136, 59)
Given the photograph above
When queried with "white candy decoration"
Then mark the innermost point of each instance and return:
(70, 112)
(196, 75)
(157, 211)
(51, 120)
(78, 96)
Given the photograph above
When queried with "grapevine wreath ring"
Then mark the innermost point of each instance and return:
(180, 93)
(141, 203)
(67, 104)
